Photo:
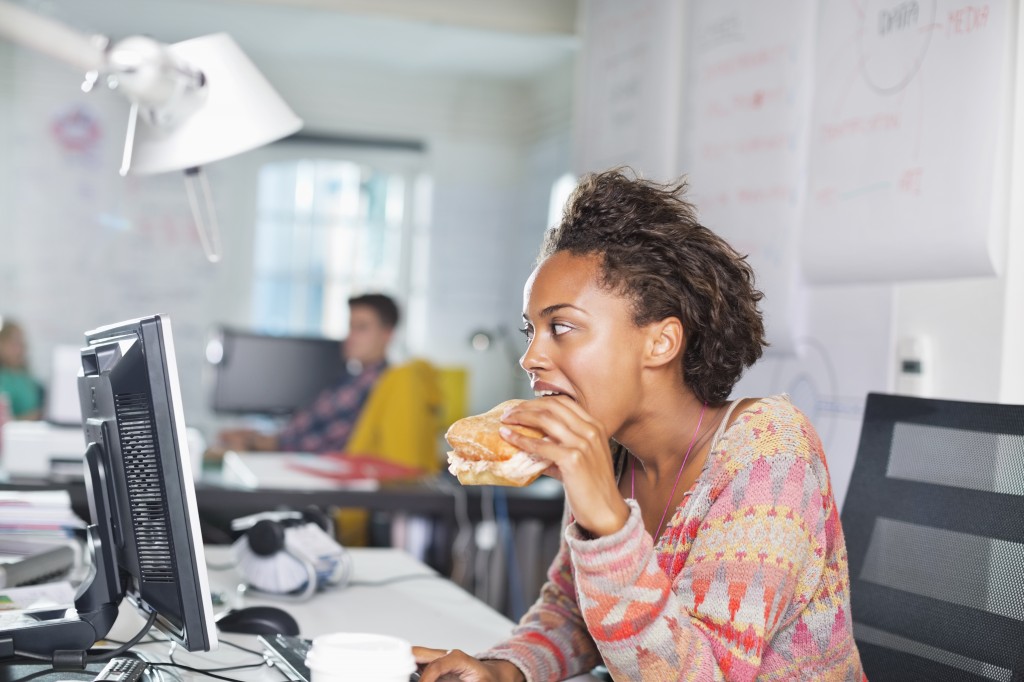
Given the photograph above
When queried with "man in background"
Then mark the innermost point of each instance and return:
(326, 424)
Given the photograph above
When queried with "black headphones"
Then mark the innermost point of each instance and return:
(286, 540)
(265, 531)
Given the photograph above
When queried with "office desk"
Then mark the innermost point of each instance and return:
(429, 611)
(437, 497)
(536, 508)
(219, 503)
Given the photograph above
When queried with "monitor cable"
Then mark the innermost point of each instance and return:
(209, 672)
(171, 663)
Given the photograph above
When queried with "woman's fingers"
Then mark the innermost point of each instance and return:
(455, 664)
(560, 419)
(556, 453)
(423, 655)
(553, 471)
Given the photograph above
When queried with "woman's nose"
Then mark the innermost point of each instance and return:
(534, 358)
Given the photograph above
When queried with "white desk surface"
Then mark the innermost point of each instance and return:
(429, 611)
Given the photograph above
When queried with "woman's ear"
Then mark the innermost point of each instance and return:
(665, 341)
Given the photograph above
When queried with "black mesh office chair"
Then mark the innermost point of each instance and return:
(934, 523)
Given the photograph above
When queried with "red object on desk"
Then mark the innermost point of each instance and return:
(339, 466)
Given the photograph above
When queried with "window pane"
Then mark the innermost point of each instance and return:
(325, 229)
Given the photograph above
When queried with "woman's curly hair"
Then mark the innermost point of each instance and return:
(656, 253)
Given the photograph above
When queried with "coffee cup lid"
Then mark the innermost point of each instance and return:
(355, 652)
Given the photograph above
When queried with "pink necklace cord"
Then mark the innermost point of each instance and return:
(672, 495)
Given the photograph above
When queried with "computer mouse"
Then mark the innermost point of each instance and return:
(259, 620)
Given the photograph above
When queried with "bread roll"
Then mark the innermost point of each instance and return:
(482, 457)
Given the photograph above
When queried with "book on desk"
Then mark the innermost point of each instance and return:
(37, 537)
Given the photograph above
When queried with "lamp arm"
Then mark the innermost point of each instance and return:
(142, 68)
(19, 25)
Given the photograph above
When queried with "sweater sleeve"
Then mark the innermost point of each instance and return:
(755, 555)
(551, 641)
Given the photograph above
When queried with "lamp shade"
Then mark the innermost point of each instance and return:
(235, 111)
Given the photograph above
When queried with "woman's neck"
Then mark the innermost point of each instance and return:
(659, 436)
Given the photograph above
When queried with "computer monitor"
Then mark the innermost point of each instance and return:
(144, 540)
(266, 374)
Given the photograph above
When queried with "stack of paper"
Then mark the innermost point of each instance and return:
(37, 537)
(39, 513)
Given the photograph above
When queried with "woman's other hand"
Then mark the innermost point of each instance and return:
(577, 446)
(457, 665)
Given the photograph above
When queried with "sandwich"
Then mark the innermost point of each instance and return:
(482, 457)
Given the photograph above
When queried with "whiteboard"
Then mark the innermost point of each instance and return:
(630, 77)
(743, 144)
(95, 248)
(909, 99)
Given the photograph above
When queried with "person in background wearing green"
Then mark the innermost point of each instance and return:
(24, 394)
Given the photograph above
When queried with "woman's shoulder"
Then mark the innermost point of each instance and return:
(768, 428)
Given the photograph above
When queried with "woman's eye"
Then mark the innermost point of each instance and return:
(527, 331)
(559, 328)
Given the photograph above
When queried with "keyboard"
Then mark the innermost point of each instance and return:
(289, 654)
(122, 669)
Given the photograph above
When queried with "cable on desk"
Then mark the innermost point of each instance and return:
(209, 672)
(171, 663)
(242, 648)
(104, 656)
(46, 672)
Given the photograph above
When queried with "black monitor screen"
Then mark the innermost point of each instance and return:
(266, 374)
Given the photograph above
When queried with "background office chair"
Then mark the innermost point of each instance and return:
(934, 524)
(401, 418)
(399, 423)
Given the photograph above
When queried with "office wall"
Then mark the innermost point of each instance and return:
(843, 337)
(493, 148)
(975, 325)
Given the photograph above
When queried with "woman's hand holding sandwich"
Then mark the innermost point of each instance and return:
(576, 445)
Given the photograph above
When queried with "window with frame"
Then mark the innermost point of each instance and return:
(327, 229)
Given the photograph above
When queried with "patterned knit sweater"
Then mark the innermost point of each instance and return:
(748, 582)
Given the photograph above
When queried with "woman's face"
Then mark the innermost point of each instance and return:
(12, 349)
(582, 341)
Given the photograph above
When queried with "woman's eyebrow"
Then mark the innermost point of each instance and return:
(552, 309)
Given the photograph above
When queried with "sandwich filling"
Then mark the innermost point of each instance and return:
(520, 465)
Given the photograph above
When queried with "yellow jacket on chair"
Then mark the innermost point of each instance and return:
(401, 419)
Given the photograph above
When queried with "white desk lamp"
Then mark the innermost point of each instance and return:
(193, 102)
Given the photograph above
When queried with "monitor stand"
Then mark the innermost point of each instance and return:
(44, 672)
(96, 602)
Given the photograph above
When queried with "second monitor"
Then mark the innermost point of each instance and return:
(266, 374)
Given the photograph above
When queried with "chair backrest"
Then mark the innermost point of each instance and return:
(934, 525)
(400, 420)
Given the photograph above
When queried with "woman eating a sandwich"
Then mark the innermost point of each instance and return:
(702, 540)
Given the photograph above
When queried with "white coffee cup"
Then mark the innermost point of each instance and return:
(347, 656)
